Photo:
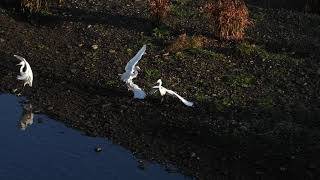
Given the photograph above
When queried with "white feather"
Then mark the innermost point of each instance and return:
(130, 69)
(137, 91)
(164, 91)
(27, 75)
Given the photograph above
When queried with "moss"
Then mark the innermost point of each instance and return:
(179, 55)
(179, 9)
(160, 32)
(152, 73)
(266, 102)
(251, 50)
(205, 52)
(242, 80)
(111, 83)
(200, 97)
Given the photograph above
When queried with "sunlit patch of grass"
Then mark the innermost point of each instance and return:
(251, 50)
(179, 55)
(207, 53)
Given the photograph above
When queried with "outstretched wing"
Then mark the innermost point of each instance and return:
(187, 103)
(132, 63)
(19, 57)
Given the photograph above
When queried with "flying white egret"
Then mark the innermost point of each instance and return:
(164, 91)
(27, 75)
(131, 70)
(138, 93)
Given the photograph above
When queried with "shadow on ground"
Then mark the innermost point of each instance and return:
(238, 143)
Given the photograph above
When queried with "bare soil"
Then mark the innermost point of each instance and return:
(257, 102)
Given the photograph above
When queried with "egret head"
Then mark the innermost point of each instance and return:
(138, 68)
(159, 81)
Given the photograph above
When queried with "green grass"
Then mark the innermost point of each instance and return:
(152, 73)
(207, 53)
(160, 32)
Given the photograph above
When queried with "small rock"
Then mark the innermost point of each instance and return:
(80, 45)
(2, 40)
(94, 46)
(112, 51)
(50, 108)
(193, 154)
(98, 149)
(73, 71)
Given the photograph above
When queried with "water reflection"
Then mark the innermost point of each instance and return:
(26, 117)
(52, 151)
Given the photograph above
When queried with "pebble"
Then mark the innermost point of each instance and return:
(98, 149)
(94, 46)
(73, 71)
(112, 51)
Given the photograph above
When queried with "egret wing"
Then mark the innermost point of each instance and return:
(19, 57)
(187, 103)
(132, 63)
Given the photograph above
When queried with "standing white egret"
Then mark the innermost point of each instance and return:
(164, 91)
(27, 75)
(131, 70)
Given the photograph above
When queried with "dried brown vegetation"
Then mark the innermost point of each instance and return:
(230, 18)
(184, 42)
(312, 6)
(34, 6)
(159, 9)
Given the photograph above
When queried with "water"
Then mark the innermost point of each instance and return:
(46, 149)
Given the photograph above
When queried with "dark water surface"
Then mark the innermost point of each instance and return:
(45, 149)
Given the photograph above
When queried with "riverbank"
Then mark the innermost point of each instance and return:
(257, 102)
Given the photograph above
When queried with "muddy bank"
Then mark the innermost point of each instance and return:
(257, 102)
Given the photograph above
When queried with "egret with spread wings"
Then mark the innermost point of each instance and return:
(131, 69)
(131, 72)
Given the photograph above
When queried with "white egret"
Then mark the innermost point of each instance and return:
(138, 93)
(164, 91)
(27, 75)
(131, 70)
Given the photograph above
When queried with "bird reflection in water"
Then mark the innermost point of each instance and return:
(26, 118)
